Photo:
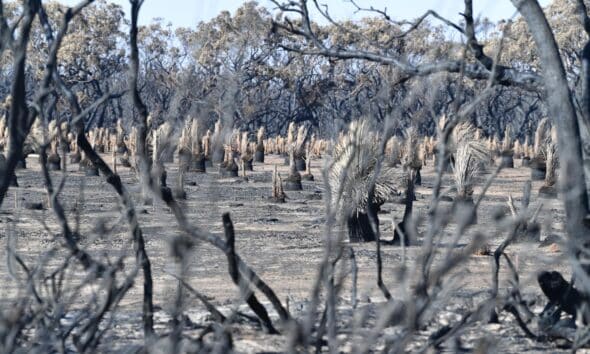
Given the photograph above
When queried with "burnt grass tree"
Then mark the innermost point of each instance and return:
(359, 185)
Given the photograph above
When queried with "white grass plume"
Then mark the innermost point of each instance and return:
(465, 169)
(354, 160)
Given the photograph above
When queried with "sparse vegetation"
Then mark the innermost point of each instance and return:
(397, 142)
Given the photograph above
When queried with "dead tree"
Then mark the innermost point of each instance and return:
(21, 116)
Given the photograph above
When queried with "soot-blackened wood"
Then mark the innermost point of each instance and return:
(259, 156)
(144, 167)
(20, 118)
(403, 225)
(561, 109)
(359, 227)
(4, 171)
(418, 180)
(239, 281)
(560, 292)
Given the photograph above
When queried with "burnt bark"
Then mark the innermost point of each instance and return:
(563, 294)
(562, 111)
(20, 117)
(359, 228)
(243, 284)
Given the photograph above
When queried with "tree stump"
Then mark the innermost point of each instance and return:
(53, 162)
(248, 165)
(184, 159)
(293, 183)
(21, 164)
(75, 157)
(466, 204)
(259, 156)
(300, 164)
(231, 170)
(563, 294)
(538, 169)
(507, 160)
(199, 164)
(418, 181)
(218, 155)
(359, 228)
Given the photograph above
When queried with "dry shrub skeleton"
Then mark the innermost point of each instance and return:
(367, 186)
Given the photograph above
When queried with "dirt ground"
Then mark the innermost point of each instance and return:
(283, 243)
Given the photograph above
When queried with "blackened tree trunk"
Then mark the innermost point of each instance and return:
(403, 225)
(20, 117)
(562, 111)
(359, 228)
(359, 224)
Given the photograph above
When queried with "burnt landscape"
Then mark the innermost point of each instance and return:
(276, 179)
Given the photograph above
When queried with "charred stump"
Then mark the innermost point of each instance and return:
(75, 157)
(507, 160)
(218, 155)
(13, 180)
(300, 164)
(54, 162)
(561, 293)
(538, 169)
(359, 228)
(467, 204)
(401, 229)
(184, 159)
(198, 164)
(259, 156)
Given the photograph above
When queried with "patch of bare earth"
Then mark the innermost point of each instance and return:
(283, 243)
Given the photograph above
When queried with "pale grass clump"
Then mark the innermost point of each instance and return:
(120, 137)
(184, 152)
(162, 144)
(260, 139)
(527, 149)
(3, 134)
(541, 135)
(195, 138)
(269, 146)
(518, 149)
(300, 141)
(35, 138)
(278, 194)
(291, 134)
(464, 134)
(428, 148)
(393, 151)
(551, 164)
(507, 141)
(465, 169)
(354, 162)
(217, 142)
(282, 145)
(206, 141)
(246, 154)
(413, 151)
(245, 151)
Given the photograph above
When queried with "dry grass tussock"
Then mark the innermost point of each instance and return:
(354, 165)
